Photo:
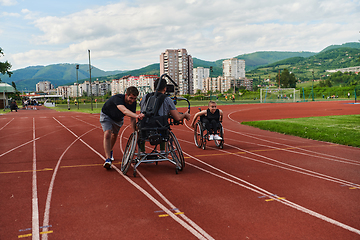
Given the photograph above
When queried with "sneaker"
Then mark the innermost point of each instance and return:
(112, 156)
(217, 137)
(211, 137)
(107, 163)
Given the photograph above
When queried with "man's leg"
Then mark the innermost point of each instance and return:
(214, 126)
(108, 143)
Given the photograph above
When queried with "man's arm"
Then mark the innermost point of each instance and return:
(221, 115)
(129, 113)
(178, 116)
(198, 114)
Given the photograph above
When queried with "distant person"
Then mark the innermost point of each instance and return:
(212, 119)
(13, 106)
(348, 95)
(112, 118)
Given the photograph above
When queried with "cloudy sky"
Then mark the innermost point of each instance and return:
(130, 34)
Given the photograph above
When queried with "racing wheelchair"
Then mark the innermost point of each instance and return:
(201, 134)
(155, 130)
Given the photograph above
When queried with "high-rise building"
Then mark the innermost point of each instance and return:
(199, 74)
(234, 67)
(179, 66)
(44, 86)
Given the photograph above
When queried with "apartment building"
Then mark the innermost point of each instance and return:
(234, 67)
(178, 64)
(223, 84)
(199, 74)
(144, 83)
(44, 86)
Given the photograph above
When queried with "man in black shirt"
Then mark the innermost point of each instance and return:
(112, 118)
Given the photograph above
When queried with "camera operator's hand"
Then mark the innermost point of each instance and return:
(187, 115)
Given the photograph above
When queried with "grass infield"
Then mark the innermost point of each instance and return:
(343, 129)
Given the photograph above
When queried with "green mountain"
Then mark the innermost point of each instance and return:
(259, 66)
(310, 67)
(57, 74)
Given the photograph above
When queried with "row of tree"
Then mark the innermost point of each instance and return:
(4, 66)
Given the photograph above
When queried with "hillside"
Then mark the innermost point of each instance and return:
(259, 66)
(303, 68)
(57, 74)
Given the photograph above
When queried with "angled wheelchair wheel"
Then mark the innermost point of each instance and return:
(176, 152)
(220, 143)
(198, 137)
(130, 148)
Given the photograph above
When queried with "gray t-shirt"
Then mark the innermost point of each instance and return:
(164, 108)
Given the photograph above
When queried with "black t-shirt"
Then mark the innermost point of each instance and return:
(110, 107)
(215, 116)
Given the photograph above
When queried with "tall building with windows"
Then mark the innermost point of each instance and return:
(234, 67)
(44, 86)
(178, 64)
(199, 74)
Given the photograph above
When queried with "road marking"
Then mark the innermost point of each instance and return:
(35, 204)
(30, 234)
(166, 215)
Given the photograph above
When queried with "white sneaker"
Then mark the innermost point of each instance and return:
(217, 137)
(211, 137)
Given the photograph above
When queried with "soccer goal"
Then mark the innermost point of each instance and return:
(274, 95)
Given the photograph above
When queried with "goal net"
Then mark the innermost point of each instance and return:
(274, 95)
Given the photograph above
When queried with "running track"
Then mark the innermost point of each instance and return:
(262, 185)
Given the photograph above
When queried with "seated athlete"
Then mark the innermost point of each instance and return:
(212, 118)
(166, 108)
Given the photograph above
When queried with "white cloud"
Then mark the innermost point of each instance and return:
(7, 14)
(134, 34)
(8, 2)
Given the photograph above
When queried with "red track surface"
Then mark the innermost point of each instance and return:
(262, 185)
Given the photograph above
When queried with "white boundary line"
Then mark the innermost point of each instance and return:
(35, 205)
(171, 214)
(262, 191)
(6, 124)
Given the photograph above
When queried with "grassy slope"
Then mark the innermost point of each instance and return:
(343, 130)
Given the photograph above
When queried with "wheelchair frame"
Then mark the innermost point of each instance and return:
(173, 152)
(200, 138)
(132, 153)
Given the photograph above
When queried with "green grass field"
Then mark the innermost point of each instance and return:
(343, 130)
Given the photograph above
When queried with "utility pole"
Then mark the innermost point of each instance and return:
(312, 87)
(77, 86)
(90, 81)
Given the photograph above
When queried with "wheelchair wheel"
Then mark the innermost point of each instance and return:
(220, 143)
(198, 137)
(129, 152)
(176, 152)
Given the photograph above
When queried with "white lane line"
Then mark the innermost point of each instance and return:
(6, 124)
(51, 187)
(165, 209)
(286, 145)
(35, 205)
(172, 206)
(262, 191)
(31, 141)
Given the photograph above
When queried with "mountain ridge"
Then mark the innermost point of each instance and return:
(65, 73)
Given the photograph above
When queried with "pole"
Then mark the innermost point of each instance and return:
(77, 86)
(312, 87)
(90, 82)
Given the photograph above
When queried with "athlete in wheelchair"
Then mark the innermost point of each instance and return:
(160, 113)
(209, 126)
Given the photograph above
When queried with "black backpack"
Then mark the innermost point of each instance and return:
(153, 126)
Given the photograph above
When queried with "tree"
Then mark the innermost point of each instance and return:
(287, 79)
(4, 66)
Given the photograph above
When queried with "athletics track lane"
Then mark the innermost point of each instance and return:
(90, 202)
